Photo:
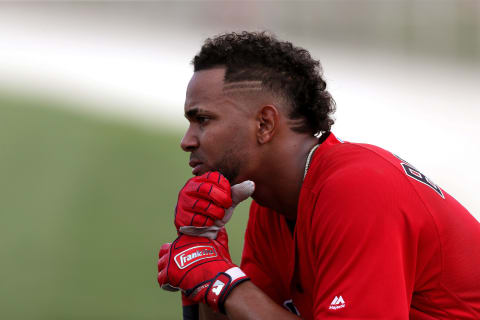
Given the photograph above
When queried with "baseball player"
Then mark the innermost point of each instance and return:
(337, 230)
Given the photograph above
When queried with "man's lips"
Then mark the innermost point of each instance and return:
(196, 165)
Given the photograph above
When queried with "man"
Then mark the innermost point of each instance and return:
(337, 230)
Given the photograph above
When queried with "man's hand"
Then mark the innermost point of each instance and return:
(190, 309)
(203, 200)
(206, 204)
(201, 268)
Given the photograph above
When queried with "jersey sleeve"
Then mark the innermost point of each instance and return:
(363, 248)
(254, 256)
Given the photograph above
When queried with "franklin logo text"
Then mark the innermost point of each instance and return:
(194, 254)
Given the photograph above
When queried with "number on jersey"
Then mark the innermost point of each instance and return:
(413, 173)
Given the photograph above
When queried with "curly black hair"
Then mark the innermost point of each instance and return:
(285, 69)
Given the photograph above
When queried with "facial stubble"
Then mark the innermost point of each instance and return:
(231, 163)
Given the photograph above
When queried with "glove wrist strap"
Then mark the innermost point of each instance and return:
(222, 285)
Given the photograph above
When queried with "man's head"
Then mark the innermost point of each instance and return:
(279, 67)
(245, 90)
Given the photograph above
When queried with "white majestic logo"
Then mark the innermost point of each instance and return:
(337, 303)
(194, 254)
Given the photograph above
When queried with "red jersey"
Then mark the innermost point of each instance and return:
(374, 239)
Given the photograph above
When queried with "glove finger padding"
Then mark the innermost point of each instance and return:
(222, 240)
(203, 200)
(197, 212)
(162, 263)
(240, 192)
(212, 186)
(201, 268)
(204, 189)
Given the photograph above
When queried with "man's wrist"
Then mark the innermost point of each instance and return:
(235, 294)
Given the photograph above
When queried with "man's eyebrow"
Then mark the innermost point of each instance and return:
(240, 86)
(191, 113)
(194, 112)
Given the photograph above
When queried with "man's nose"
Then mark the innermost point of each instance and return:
(189, 141)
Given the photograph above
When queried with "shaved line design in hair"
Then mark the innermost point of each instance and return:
(241, 86)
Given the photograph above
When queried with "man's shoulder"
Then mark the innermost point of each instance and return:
(352, 163)
(353, 153)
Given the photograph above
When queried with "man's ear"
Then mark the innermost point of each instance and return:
(268, 119)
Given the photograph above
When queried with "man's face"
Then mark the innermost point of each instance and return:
(220, 131)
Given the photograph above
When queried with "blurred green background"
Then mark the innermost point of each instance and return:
(85, 205)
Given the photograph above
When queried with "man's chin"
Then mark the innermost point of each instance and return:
(201, 170)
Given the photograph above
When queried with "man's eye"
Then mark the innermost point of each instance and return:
(202, 120)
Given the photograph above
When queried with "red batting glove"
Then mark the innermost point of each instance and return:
(200, 268)
(189, 307)
(203, 200)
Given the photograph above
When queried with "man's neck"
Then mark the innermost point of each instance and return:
(279, 185)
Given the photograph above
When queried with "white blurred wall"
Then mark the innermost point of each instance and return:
(404, 76)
